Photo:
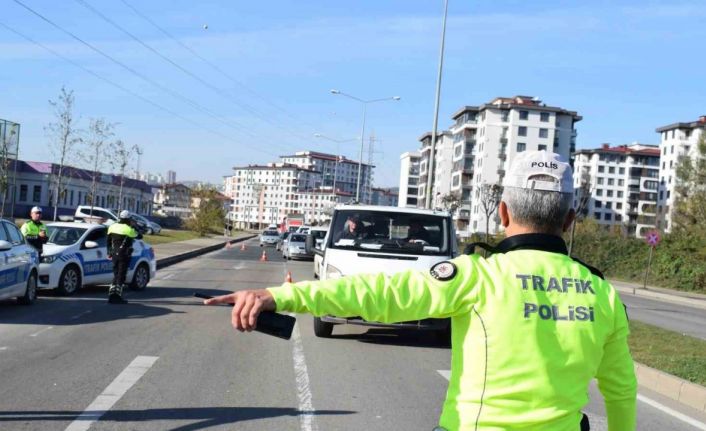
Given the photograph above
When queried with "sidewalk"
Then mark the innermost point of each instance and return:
(660, 294)
(174, 252)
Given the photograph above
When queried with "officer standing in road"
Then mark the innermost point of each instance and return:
(121, 235)
(530, 325)
(34, 231)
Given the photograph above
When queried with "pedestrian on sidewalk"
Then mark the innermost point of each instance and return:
(34, 231)
(531, 327)
(121, 235)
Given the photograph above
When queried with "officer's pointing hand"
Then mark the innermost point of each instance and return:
(247, 305)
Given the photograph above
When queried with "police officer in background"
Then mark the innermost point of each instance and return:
(530, 325)
(121, 235)
(34, 231)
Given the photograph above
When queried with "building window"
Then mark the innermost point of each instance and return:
(37, 194)
(524, 115)
(608, 205)
(23, 193)
(542, 147)
(611, 169)
(609, 193)
(599, 192)
(522, 131)
(597, 216)
(598, 204)
(664, 152)
(544, 117)
(599, 180)
(504, 116)
(521, 146)
(661, 195)
(601, 169)
(618, 217)
(607, 216)
(618, 206)
(543, 133)
(621, 182)
(611, 181)
(671, 151)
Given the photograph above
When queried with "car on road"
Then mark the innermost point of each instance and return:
(107, 217)
(282, 240)
(19, 265)
(145, 225)
(384, 240)
(76, 255)
(303, 229)
(269, 237)
(296, 247)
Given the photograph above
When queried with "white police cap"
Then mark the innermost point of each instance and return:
(530, 164)
(36, 210)
(124, 214)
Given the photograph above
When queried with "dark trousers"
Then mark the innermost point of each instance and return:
(120, 267)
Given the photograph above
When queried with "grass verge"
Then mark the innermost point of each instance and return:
(674, 353)
(170, 235)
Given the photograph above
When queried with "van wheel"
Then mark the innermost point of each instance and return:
(322, 329)
(69, 281)
(140, 278)
(31, 290)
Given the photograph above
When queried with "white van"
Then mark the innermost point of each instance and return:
(382, 241)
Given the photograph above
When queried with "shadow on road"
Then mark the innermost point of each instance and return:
(206, 416)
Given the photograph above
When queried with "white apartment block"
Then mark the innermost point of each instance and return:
(409, 179)
(483, 141)
(336, 171)
(623, 184)
(442, 168)
(677, 140)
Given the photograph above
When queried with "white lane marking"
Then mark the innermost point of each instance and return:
(125, 380)
(306, 407)
(43, 330)
(78, 316)
(168, 276)
(3, 348)
(240, 265)
(682, 417)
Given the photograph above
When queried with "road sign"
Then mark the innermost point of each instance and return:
(652, 238)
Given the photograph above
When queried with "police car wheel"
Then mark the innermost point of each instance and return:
(69, 280)
(31, 290)
(141, 278)
(321, 328)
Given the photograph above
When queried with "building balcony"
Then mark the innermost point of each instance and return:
(503, 140)
(502, 155)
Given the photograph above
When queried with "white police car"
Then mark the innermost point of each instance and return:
(19, 263)
(77, 255)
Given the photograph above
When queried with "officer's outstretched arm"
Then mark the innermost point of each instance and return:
(616, 376)
(409, 295)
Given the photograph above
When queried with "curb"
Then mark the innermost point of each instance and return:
(171, 260)
(680, 390)
(675, 299)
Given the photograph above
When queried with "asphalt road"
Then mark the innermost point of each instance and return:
(165, 362)
(675, 317)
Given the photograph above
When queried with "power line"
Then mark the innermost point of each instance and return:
(136, 73)
(124, 89)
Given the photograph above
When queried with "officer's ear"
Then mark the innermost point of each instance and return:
(570, 216)
(504, 214)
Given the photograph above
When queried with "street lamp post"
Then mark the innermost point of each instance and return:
(362, 130)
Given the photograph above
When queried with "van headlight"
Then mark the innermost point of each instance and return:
(50, 259)
(333, 273)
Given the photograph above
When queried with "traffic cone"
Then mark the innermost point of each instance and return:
(242, 246)
(228, 245)
(288, 278)
(263, 258)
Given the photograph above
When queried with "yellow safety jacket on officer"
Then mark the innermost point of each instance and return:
(530, 328)
(120, 238)
(31, 231)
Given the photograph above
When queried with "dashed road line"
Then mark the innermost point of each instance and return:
(78, 316)
(42, 331)
(115, 390)
(306, 407)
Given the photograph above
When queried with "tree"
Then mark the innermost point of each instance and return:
(9, 137)
(690, 191)
(123, 157)
(451, 201)
(209, 215)
(63, 136)
(98, 142)
(490, 195)
(583, 196)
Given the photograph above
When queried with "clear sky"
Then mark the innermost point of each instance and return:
(626, 66)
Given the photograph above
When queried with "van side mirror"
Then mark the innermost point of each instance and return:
(90, 244)
(5, 245)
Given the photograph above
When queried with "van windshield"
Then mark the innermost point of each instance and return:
(390, 232)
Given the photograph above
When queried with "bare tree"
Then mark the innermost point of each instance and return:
(490, 195)
(451, 201)
(98, 142)
(123, 157)
(583, 196)
(9, 140)
(64, 136)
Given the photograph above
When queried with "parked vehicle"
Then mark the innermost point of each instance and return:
(269, 237)
(77, 255)
(19, 265)
(296, 247)
(375, 239)
(150, 227)
(282, 240)
(318, 234)
(304, 229)
(97, 215)
(292, 222)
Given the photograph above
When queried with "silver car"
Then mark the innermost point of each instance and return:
(269, 237)
(296, 248)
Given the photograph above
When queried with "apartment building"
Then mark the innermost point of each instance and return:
(409, 179)
(481, 144)
(676, 140)
(336, 172)
(623, 184)
(384, 196)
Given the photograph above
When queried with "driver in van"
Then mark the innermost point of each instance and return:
(417, 232)
(531, 326)
(352, 229)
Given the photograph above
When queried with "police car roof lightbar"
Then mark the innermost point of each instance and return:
(269, 322)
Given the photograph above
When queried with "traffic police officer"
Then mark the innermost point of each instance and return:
(530, 325)
(35, 231)
(121, 235)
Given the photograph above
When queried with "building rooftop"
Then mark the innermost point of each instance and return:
(700, 123)
(438, 135)
(79, 173)
(633, 149)
(321, 156)
(517, 102)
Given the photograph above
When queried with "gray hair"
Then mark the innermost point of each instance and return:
(544, 211)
